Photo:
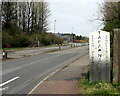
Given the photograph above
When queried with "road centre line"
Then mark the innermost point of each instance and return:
(13, 79)
(19, 51)
(32, 63)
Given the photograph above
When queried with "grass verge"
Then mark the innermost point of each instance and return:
(15, 48)
(85, 87)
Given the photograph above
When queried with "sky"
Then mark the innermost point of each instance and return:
(74, 16)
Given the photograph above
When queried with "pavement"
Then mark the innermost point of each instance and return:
(65, 80)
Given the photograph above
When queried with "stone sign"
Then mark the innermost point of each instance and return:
(99, 54)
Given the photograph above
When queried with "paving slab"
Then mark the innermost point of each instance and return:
(57, 87)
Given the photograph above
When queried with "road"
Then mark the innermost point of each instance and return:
(21, 75)
(32, 51)
(13, 54)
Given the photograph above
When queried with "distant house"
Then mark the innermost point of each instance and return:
(65, 36)
(59, 34)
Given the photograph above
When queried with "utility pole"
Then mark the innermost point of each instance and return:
(54, 30)
(72, 35)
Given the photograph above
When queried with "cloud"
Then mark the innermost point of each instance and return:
(74, 13)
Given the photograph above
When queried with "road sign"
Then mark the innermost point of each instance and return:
(99, 54)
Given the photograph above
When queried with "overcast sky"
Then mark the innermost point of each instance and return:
(74, 14)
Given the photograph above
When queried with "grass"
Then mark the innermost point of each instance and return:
(25, 47)
(85, 87)
(14, 48)
(65, 66)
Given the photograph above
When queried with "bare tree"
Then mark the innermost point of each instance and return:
(110, 15)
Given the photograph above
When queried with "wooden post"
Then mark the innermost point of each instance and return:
(116, 56)
(59, 47)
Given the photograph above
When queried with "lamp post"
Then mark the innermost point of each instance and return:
(54, 29)
(72, 36)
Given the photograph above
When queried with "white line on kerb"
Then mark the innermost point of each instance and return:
(52, 73)
(46, 78)
(35, 88)
(9, 81)
(38, 84)
(57, 70)
(42, 81)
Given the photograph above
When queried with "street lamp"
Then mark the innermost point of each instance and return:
(54, 30)
(72, 35)
(72, 38)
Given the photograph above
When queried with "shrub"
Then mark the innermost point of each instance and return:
(21, 40)
(47, 40)
(6, 38)
(58, 40)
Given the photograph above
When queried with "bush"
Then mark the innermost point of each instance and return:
(21, 40)
(47, 40)
(15, 37)
(58, 40)
(33, 39)
(6, 38)
(16, 40)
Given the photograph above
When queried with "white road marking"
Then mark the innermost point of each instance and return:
(46, 78)
(42, 81)
(19, 51)
(2, 89)
(35, 87)
(32, 63)
(9, 81)
(52, 73)
(57, 70)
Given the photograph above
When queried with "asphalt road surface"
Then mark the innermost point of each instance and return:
(20, 76)
(32, 51)
(13, 54)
